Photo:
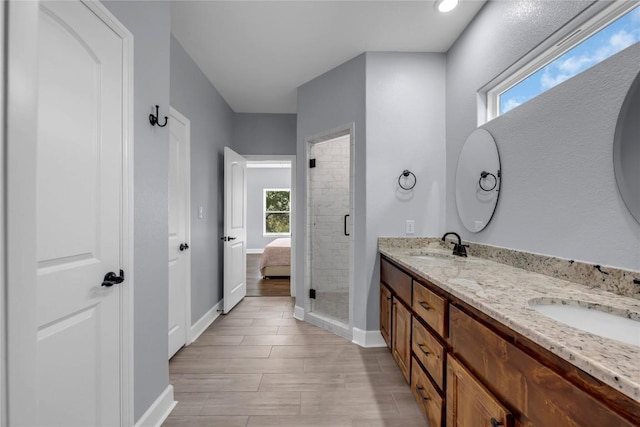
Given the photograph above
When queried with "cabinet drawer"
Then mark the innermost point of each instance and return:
(425, 393)
(541, 395)
(397, 280)
(430, 307)
(428, 351)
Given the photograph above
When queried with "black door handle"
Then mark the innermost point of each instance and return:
(345, 225)
(184, 246)
(111, 279)
(227, 238)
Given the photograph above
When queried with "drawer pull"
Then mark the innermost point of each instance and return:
(388, 298)
(424, 305)
(496, 423)
(426, 353)
(425, 398)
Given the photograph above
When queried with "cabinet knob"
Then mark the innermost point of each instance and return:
(496, 423)
(421, 347)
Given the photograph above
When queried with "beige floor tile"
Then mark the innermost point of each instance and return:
(406, 403)
(344, 350)
(247, 330)
(213, 339)
(398, 421)
(341, 365)
(199, 366)
(302, 382)
(228, 321)
(302, 329)
(256, 315)
(326, 339)
(275, 322)
(189, 403)
(206, 421)
(252, 403)
(298, 421)
(348, 403)
(277, 307)
(205, 383)
(264, 366)
(376, 382)
(229, 351)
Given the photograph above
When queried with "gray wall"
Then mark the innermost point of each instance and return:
(334, 99)
(257, 180)
(558, 193)
(273, 134)
(211, 130)
(396, 101)
(405, 130)
(149, 22)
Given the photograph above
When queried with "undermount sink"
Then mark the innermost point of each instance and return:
(605, 321)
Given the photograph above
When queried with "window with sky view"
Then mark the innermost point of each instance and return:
(618, 35)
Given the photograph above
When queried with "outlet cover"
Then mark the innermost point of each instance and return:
(410, 227)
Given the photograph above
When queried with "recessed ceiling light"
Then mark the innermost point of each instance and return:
(445, 6)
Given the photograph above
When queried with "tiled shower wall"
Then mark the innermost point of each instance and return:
(330, 201)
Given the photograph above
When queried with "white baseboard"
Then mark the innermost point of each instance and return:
(254, 251)
(203, 323)
(368, 339)
(298, 313)
(159, 410)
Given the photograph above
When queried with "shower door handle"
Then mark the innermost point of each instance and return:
(345, 225)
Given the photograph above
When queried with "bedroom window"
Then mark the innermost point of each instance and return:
(276, 211)
(602, 34)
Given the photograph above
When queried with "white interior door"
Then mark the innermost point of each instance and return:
(235, 229)
(79, 214)
(179, 231)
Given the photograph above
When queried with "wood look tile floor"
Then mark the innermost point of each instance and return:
(257, 286)
(257, 366)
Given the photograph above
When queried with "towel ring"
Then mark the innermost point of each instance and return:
(483, 176)
(406, 174)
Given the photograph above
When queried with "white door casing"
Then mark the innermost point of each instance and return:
(82, 226)
(235, 229)
(179, 232)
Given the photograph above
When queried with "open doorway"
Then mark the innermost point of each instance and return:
(270, 219)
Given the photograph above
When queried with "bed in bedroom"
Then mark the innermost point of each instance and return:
(276, 258)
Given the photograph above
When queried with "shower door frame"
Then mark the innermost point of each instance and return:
(343, 329)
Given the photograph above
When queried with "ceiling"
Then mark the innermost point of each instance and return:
(256, 53)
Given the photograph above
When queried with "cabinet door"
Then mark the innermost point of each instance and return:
(401, 337)
(469, 403)
(385, 314)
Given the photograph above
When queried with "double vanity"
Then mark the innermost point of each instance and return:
(484, 343)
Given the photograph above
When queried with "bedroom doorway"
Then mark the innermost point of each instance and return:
(329, 224)
(270, 219)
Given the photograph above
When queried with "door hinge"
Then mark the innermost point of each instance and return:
(312, 163)
(312, 293)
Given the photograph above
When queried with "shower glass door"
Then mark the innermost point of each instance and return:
(330, 227)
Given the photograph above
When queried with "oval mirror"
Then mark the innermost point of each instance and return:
(477, 180)
(626, 150)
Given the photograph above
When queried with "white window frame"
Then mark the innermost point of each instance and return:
(583, 26)
(264, 212)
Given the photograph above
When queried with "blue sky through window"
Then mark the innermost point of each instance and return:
(610, 40)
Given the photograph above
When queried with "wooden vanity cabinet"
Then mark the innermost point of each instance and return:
(385, 314)
(538, 394)
(469, 403)
(401, 337)
(467, 369)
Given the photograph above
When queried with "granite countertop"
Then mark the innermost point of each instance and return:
(504, 292)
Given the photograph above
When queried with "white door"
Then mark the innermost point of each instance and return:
(79, 212)
(179, 234)
(235, 229)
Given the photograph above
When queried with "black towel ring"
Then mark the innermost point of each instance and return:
(406, 174)
(483, 176)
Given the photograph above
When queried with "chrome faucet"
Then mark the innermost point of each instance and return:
(458, 248)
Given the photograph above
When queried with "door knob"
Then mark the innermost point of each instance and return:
(111, 279)
(184, 246)
(227, 238)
